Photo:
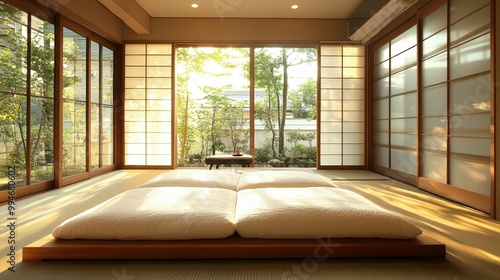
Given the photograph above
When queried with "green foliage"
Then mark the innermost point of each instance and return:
(303, 101)
(218, 123)
(272, 67)
(14, 94)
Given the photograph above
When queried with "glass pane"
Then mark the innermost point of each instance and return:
(381, 156)
(434, 100)
(462, 8)
(381, 138)
(434, 126)
(434, 166)
(404, 60)
(404, 161)
(107, 76)
(42, 101)
(471, 95)
(381, 125)
(74, 112)
(470, 58)
(470, 173)
(75, 62)
(74, 138)
(404, 81)
(95, 70)
(13, 99)
(213, 101)
(107, 134)
(381, 88)
(470, 26)
(404, 125)
(381, 109)
(433, 143)
(404, 140)
(381, 70)
(404, 41)
(470, 146)
(403, 106)
(95, 136)
(435, 22)
(382, 54)
(434, 70)
(435, 44)
(474, 125)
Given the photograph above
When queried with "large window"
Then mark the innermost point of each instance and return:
(449, 150)
(102, 106)
(261, 100)
(87, 113)
(74, 103)
(26, 101)
(32, 111)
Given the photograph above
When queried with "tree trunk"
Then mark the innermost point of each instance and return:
(284, 106)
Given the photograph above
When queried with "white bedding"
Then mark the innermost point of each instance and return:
(195, 178)
(172, 213)
(316, 212)
(280, 179)
(273, 204)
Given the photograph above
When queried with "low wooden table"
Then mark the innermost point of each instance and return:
(244, 160)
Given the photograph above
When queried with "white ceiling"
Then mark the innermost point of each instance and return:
(323, 9)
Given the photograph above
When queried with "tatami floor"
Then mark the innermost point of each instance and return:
(471, 237)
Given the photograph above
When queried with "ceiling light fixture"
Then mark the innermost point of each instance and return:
(194, 6)
(295, 7)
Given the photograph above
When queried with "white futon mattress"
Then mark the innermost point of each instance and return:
(171, 213)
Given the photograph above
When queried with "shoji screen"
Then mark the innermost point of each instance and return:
(434, 96)
(148, 104)
(469, 66)
(452, 80)
(342, 125)
(395, 103)
(403, 102)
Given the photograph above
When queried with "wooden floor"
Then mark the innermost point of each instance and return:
(233, 247)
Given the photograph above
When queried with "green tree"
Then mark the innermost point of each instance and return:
(294, 137)
(19, 137)
(189, 61)
(272, 74)
(212, 119)
(303, 100)
(236, 131)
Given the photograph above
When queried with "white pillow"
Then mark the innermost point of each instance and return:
(281, 179)
(310, 213)
(195, 178)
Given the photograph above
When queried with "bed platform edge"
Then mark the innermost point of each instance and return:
(233, 247)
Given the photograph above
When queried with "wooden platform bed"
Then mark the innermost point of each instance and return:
(233, 247)
(224, 215)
